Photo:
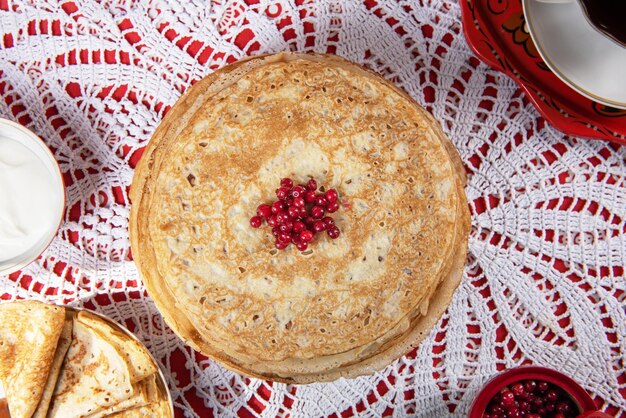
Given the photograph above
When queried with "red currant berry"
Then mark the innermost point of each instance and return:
(319, 226)
(302, 213)
(298, 202)
(298, 227)
(512, 407)
(284, 237)
(524, 406)
(282, 218)
(278, 207)
(497, 410)
(293, 211)
(272, 221)
(328, 221)
(550, 407)
(530, 385)
(320, 200)
(533, 416)
(297, 191)
(331, 195)
(552, 395)
(559, 415)
(302, 245)
(286, 226)
(317, 212)
(517, 388)
(256, 221)
(282, 193)
(563, 407)
(281, 245)
(276, 231)
(306, 236)
(333, 232)
(507, 397)
(542, 386)
(309, 221)
(311, 185)
(309, 196)
(286, 182)
(332, 207)
(264, 211)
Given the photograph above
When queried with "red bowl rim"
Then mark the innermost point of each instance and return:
(493, 386)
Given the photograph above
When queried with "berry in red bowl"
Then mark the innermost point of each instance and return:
(532, 392)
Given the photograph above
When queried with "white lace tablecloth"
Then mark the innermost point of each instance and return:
(544, 282)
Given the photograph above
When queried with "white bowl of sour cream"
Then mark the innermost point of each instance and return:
(32, 196)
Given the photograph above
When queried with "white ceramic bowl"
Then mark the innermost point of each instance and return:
(585, 59)
(16, 132)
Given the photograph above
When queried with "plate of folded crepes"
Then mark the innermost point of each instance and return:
(58, 361)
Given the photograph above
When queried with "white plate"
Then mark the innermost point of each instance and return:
(577, 53)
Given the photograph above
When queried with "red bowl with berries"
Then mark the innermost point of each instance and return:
(533, 392)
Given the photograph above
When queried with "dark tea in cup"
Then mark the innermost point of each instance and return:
(608, 16)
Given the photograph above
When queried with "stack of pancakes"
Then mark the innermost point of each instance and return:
(345, 307)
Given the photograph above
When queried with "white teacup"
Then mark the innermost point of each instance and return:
(586, 57)
(608, 18)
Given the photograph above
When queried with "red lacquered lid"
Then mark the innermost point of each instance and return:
(569, 385)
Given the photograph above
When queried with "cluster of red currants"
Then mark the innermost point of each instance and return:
(531, 399)
(298, 214)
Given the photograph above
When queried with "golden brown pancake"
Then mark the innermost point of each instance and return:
(137, 358)
(55, 368)
(93, 376)
(29, 332)
(345, 307)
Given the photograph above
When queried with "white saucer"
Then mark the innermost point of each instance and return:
(577, 53)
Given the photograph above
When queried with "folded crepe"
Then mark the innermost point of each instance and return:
(137, 358)
(145, 393)
(29, 332)
(94, 376)
(63, 345)
(159, 409)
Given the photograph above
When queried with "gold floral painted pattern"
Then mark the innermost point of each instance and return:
(608, 111)
(516, 25)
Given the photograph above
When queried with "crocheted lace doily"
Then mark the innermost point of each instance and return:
(544, 281)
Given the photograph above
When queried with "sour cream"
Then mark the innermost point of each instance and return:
(31, 196)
